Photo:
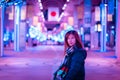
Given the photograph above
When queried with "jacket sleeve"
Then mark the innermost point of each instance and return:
(77, 64)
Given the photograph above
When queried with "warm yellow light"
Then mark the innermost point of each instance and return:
(64, 25)
(11, 13)
(99, 27)
(97, 13)
(23, 13)
(35, 20)
(80, 10)
(70, 21)
(39, 27)
(10, 16)
(109, 17)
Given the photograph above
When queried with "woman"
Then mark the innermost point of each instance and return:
(74, 59)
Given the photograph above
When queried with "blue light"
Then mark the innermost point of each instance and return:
(55, 38)
(35, 33)
(27, 35)
(69, 27)
(81, 31)
(112, 27)
(6, 36)
(106, 35)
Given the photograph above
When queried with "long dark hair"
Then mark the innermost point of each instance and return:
(78, 39)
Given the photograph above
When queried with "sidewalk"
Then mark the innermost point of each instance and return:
(39, 63)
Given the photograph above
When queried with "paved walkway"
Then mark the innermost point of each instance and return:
(39, 63)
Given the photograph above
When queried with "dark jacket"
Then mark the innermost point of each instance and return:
(76, 65)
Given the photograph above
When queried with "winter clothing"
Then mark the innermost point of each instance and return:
(76, 66)
(74, 60)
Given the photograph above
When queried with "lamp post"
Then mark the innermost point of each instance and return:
(2, 29)
(103, 25)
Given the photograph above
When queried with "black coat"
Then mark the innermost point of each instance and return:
(76, 65)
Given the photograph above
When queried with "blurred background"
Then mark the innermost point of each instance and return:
(32, 37)
(45, 22)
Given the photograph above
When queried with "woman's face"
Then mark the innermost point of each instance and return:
(71, 40)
